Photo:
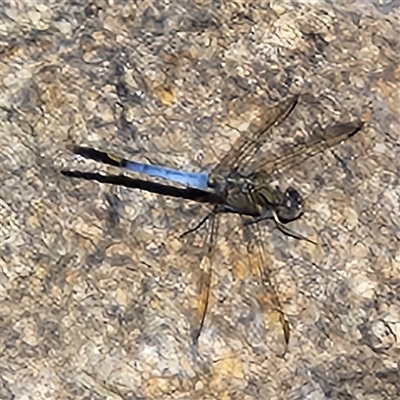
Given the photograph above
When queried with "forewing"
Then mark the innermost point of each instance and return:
(275, 331)
(252, 139)
(198, 254)
(292, 156)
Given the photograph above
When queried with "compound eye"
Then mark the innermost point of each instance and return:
(292, 205)
(293, 198)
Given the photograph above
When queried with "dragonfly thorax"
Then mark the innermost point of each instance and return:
(287, 206)
(252, 195)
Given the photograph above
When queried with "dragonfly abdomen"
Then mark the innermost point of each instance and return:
(195, 180)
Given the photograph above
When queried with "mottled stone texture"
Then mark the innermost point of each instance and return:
(97, 287)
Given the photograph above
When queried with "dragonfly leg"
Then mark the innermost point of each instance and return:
(282, 227)
(198, 226)
(216, 210)
(256, 220)
(289, 232)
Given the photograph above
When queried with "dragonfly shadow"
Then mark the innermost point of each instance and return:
(196, 195)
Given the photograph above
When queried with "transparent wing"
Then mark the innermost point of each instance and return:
(318, 142)
(197, 253)
(275, 331)
(252, 139)
(197, 250)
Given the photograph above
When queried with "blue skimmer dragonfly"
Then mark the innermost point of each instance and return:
(235, 185)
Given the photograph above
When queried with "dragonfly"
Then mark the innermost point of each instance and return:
(239, 184)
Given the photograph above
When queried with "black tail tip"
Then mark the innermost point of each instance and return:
(70, 174)
(81, 151)
(357, 126)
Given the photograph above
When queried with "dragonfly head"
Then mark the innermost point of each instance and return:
(291, 206)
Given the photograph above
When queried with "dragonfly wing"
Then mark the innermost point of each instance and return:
(275, 332)
(251, 140)
(198, 254)
(292, 156)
